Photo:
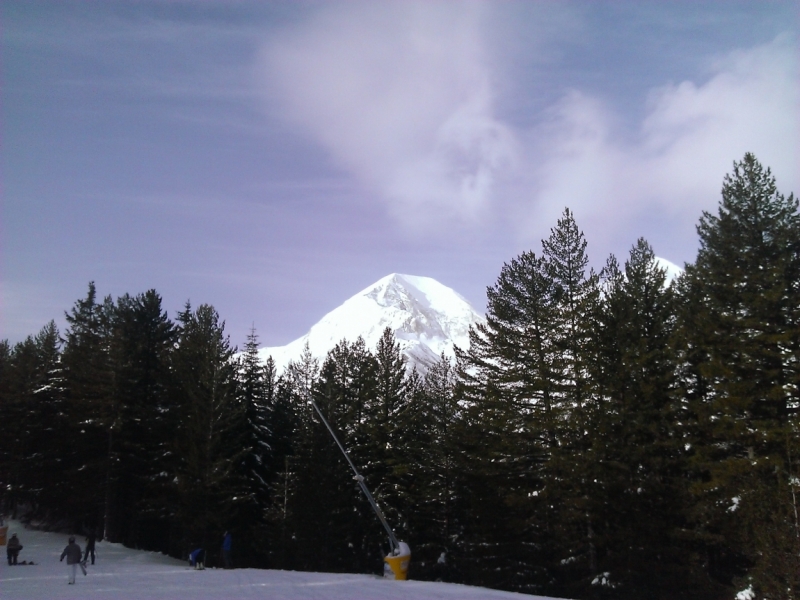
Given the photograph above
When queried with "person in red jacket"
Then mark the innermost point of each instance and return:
(73, 554)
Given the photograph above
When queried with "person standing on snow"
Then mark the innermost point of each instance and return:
(12, 549)
(90, 540)
(197, 559)
(73, 554)
(226, 550)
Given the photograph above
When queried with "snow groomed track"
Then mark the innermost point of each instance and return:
(124, 574)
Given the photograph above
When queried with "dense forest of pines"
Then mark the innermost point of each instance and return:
(605, 435)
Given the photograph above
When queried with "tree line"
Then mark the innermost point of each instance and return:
(605, 435)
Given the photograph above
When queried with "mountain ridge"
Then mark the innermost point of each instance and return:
(426, 317)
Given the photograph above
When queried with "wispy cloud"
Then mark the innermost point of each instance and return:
(401, 96)
(685, 144)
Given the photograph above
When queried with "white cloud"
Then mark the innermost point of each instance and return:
(686, 143)
(401, 96)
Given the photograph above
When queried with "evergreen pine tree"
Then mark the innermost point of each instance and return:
(46, 419)
(384, 465)
(741, 325)
(430, 449)
(328, 508)
(526, 387)
(303, 374)
(255, 396)
(142, 341)
(210, 485)
(22, 431)
(91, 411)
(575, 296)
(637, 464)
(509, 430)
(283, 427)
(293, 409)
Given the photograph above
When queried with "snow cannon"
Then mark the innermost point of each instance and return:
(396, 564)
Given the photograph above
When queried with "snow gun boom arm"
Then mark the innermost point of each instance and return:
(360, 479)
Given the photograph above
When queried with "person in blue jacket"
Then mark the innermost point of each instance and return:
(197, 559)
(226, 550)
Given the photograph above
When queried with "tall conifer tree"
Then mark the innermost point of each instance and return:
(141, 350)
(384, 465)
(568, 483)
(32, 406)
(283, 426)
(510, 429)
(210, 445)
(743, 327)
(325, 496)
(637, 464)
(91, 409)
(255, 391)
(431, 449)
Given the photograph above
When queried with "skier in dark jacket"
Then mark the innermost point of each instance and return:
(73, 554)
(12, 549)
(90, 540)
(226, 550)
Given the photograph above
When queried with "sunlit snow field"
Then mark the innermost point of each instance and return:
(122, 573)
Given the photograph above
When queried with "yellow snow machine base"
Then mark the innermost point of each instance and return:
(396, 567)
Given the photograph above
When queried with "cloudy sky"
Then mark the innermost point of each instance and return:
(274, 158)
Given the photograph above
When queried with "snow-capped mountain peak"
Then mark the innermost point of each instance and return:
(673, 270)
(427, 318)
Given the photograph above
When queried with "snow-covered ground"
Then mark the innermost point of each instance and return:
(121, 574)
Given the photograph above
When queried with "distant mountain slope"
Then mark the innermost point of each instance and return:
(427, 318)
(672, 269)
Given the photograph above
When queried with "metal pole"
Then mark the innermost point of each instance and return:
(360, 479)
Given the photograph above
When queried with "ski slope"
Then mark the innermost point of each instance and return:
(124, 574)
